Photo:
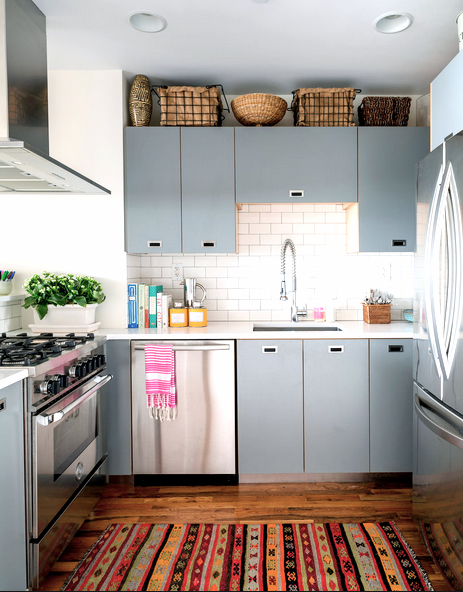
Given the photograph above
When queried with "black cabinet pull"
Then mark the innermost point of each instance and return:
(296, 193)
(399, 243)
(270, 349)
(336, 349)
(392, 349)
(154, 243)
(209, 243)
(2, 404)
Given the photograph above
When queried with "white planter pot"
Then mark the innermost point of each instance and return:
(67, 316)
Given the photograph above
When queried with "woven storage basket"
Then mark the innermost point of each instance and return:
(392, 111)
(377, 314)
(319, 107)
(190, 105)
(259, 109)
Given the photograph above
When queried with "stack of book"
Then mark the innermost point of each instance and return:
(148, 307)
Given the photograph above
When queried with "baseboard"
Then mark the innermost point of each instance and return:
(399, 478)
(185, 480)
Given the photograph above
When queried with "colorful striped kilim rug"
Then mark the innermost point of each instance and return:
(249, 557)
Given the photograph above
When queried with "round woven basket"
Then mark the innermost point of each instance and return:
(259, 109)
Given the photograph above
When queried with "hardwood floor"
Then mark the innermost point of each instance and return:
(256, 503)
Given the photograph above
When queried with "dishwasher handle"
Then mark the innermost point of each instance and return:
(192, 348)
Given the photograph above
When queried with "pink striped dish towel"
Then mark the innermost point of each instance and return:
(160, 381)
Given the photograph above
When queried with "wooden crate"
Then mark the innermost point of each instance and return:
(376, 314)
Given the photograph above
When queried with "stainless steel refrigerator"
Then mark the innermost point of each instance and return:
(438, 358)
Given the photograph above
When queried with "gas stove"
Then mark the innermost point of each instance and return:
(31, 350)
(55, 363)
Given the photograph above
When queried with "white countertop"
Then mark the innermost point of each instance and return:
(8, 377)
(244, 330)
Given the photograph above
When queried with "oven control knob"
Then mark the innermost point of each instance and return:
(62, 379)
(49, 387)
(78, 370)
(96, 362)
(102, 359)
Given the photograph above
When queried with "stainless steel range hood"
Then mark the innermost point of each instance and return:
(25, 165)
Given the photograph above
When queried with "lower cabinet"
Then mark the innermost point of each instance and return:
(336, 406)
(13, 574)
(324, 406)
(118, 408)
(391, 405)
(270, 406)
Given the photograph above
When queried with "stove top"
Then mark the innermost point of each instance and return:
(25, 350)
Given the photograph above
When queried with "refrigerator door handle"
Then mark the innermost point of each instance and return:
(454, 421)
(443, 278)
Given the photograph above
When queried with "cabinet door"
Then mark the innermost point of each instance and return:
(336, 406)
(152, 190)
(270, 407)
(272, 162)
(391, 405)
(208, 190)
(12, 494)
(447, 98)
(118, 408)
(387, 203)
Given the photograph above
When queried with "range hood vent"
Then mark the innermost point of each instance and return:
(25, 164)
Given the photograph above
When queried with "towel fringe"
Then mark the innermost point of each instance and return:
(163, 414)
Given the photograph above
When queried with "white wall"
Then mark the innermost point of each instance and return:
(77, 234)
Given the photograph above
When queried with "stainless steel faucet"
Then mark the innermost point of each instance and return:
(295, 313)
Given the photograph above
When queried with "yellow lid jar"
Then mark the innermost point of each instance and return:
(197, 315)
(178, 315)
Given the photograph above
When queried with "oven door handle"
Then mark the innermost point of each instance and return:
(46, 419)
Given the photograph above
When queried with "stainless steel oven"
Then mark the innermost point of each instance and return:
(66, 443)
(66, 449)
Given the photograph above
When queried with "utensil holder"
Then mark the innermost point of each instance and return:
(377, 314)
(5, 287)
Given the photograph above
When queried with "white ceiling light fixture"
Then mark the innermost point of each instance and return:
(393, 22)
(147, 22)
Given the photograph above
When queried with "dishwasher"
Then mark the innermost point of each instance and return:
(198, 446)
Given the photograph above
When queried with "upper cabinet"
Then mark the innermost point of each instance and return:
(153, 208)
(386, 216)
(296, 165)
(446, 102)
(208, 190)
(179, 190)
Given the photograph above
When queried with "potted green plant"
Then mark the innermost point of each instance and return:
(74, 298)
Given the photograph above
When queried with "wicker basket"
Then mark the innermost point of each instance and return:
(323, 107)
(390, 111)
(191, 105)
(259, 109)
(377, 314)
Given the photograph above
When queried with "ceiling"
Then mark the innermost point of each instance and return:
(274, 47)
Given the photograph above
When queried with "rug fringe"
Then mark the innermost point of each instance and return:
(415, 558)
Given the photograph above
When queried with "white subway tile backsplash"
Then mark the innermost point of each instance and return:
(246, 285)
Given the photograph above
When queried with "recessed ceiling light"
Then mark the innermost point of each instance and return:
(148, 22)
(393, 22)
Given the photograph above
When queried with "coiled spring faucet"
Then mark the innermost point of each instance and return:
(295, 313)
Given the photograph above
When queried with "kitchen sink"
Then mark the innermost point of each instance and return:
(301, 326)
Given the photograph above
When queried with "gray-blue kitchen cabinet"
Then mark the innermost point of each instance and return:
(270, 406)
(336, 410)
(179, 190)
(208, 190)
(13, 574)
(118, 408)
(296, 164)
(386, 186)
(447, 98)
(391, 405)
(153, 213)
